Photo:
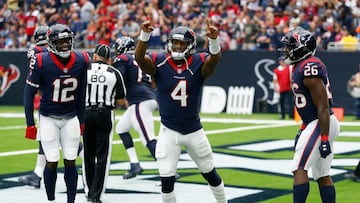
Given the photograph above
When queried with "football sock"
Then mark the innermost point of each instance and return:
(40, 165)
(129, 146)
(151, 146)
(71, 177)
(219, 193)
(328, 194)
(132, 155)
(168, 197)
(127, 140)
(212, 178)
(167, 184)
(300, 192)
(50, 176)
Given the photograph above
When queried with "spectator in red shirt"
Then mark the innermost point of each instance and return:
(282, 85)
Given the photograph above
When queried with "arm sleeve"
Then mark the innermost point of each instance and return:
(29, 94)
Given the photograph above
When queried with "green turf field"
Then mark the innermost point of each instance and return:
(247, 163)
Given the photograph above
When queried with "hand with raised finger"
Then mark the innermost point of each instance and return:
(212, 31)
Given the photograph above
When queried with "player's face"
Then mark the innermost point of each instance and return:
(63, 45)
(178, 45)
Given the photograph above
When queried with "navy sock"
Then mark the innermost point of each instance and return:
(50, 176)
(300, 192)
(328, 194)
(212, 178)
(127, 140)
(71, 177)
(167, 184)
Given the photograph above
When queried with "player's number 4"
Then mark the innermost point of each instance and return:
(179, 93)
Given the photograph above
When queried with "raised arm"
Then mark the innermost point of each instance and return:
(212, 61)
(144, 61)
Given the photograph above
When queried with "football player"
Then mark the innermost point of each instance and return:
(60, 75)
(141, 101)
(179, 76)
(313, 100)
(41, 45)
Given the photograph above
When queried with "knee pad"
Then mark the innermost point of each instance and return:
(52, 155)
(127, 140)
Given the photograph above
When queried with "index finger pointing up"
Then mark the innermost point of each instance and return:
(208, 23)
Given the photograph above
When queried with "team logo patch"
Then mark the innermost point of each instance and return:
(9, 76)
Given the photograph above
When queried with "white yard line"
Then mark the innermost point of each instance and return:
(264, 124)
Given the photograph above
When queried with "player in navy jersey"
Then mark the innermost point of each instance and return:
(179, 76)
(60, 75)
(141, 101)
(40, 41)
(41, 45)
(313, 100)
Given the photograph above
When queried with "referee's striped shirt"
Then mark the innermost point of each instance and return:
(105, 85)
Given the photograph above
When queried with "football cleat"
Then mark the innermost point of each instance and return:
(135, 169)
(352, 177)
(31, 180)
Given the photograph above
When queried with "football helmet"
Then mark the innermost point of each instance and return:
(184, 34)
(123, 45)
(60, 40)
(299, 44)
(40, 35)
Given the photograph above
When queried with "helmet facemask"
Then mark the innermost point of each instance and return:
(178, 54)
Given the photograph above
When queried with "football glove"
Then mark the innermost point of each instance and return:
(324, 148)
(31, 132)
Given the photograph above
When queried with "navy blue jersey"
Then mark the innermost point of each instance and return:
(62, 86)
(138, 84)
(310, 67)
(179, 92)
(36, 50)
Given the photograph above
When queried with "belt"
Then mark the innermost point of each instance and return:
(98, 107)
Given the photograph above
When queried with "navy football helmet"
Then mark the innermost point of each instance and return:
(40, 35)
(60, 40)
(299, 44)
(184, 34)
(123, 45)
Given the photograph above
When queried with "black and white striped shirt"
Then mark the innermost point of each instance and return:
(105, 85)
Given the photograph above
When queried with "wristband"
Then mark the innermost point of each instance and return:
(303, 126)
(144, 36)
(214, 46)
(324, 137)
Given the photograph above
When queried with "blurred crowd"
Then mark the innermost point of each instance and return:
(243, 24)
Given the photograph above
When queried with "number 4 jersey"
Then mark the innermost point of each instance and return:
(179, 91)
(62, 86)
(310, 67)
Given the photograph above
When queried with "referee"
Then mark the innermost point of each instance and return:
(105, 87)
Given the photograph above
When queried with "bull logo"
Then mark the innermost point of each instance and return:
(8, 76)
